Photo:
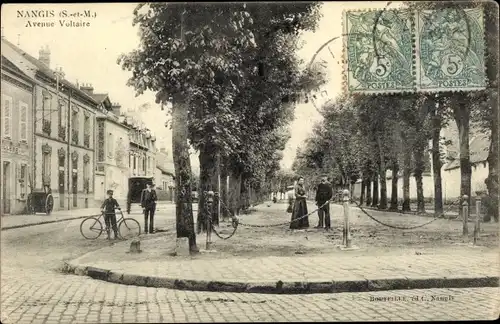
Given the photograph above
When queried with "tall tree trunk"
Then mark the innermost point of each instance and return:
(224, 190)
(436, 118)
(406, 172)
(491, 24)
(244, 194)
(419, 155)
(216, 188)
(382, 173)
(375, 190)
(182, 164)
(363, 186)
(235, 192)
(208, 166)
(492, 180)
(461, 113)
(394, 190)
(368, 190)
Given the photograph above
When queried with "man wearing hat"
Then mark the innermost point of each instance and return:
(324, 194)
(108, 208)
(148, 203)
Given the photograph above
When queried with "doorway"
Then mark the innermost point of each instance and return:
(61, 182)
(75, 189)
(6, 188)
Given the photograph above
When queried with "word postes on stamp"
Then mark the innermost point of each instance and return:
(450, 47)
(379, 51)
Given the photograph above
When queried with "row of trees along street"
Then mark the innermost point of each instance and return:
(361, 137)
(231, 75)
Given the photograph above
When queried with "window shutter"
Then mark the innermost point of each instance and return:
(7, 126)
(23, 111)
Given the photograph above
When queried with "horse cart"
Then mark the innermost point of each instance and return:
(135, 187)
(40, 201)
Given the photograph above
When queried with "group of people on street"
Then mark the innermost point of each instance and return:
(297, 205)
(148, 204)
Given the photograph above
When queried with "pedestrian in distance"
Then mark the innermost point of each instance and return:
(148, 204)
(324, 194)
(290, 195)
(300, 207)
(108, 209)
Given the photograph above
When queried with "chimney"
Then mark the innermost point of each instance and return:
(87, 88)
(44, 55)
(116, 108)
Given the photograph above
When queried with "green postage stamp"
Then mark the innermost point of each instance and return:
(398, 50)
(450, 48)
(379, 51)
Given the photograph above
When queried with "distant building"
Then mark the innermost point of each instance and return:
(165, 176)
(142, 152)
(16, 138)
(63, 131)
(113, 146)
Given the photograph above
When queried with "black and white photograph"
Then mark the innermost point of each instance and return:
(239, 162)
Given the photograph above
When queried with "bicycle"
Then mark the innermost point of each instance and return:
(127, 227)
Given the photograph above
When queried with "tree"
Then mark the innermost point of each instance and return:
(462, 102)
(184, 50)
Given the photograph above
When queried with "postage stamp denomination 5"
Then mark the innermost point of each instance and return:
(379, 48)
(450, 50)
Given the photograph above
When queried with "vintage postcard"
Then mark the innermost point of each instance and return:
(190, 162)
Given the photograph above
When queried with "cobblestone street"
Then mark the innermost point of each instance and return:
(47, 297)
(33, 291)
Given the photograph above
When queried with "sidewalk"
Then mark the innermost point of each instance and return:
(347, 271)
(17, 221)
(277, 260)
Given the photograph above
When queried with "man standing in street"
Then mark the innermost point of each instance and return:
(324, 194)
(148, 203)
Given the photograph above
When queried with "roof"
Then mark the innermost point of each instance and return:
(11, 66)
(163, 170)
(45, 70)
(479, 148)
(99, 97)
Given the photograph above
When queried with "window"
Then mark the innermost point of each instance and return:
(46, 168)
(23, 121)
(62, 113)
(22, 181)
(7, 116)
(86, 124)
(110, 145)
(74, 121)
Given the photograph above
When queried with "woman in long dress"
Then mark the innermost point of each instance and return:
(300, 206)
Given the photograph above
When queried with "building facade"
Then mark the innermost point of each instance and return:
(165, 176)
(113, 146)
(142, 153)
(63, 142)
(16, 138)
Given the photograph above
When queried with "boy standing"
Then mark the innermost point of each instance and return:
(108, 208)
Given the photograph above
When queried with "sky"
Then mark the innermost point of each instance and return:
(89, 55)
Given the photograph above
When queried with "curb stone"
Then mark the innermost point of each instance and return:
(281, 287)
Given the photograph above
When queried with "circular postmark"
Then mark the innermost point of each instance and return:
(336, 62)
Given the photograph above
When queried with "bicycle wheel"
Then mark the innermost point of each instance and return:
(129, 228)
(91, 228)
